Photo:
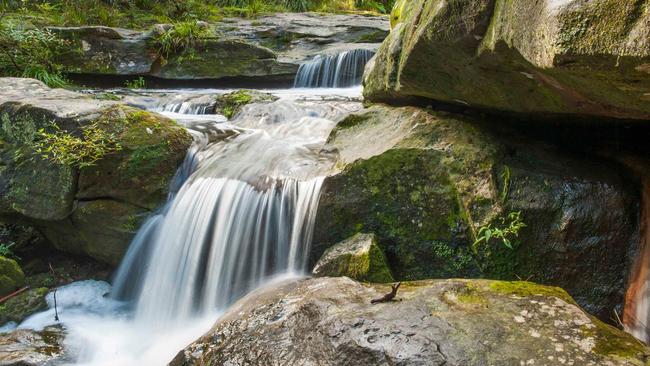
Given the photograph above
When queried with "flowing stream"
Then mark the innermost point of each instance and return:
(240, 214)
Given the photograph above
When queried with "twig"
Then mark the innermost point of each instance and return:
(388, 297)
(56, 309)
(13, 294)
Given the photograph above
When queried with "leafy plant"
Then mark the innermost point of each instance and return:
(6, 250)
(32, 53)
(138, 83)
(64, 148)
(505, 232)
(180, 38)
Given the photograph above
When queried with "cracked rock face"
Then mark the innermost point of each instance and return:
(92, 210)
(330, 321)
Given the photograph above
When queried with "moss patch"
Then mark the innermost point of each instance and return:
(529, 289)
(11, 276)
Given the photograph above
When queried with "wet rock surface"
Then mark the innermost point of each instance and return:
(25, 347)
(446, 322)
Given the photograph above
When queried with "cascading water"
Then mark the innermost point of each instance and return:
(636, 316)
(240, 213)
(338, 71)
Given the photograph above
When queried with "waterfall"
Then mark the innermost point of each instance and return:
(338, 71)
(636, 316)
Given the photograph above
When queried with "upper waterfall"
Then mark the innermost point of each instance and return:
(336, 71)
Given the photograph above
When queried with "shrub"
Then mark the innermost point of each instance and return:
(138, 83)
(181, 38)
(30, 53)
(506, 231)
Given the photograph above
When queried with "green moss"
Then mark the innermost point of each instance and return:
(23, 305)
(613, 342)
(529, 289)
(231, 103)
(471, 295)
(11, 276)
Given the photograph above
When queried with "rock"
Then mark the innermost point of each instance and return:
(426, 182)
(569, 57)
(268, 48)
(11, 276)
(444, 322)
(107, 51)
(25, 347)
(220, 59)
(92, 209)
(230, 104)
(358, 257)
(23, 305)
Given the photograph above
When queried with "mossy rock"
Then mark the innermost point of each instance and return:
(231, 104)
(358, 257)
(426, 182)
(11, 276)
(152, 148)
(531, 57)
(23, 305)
(218, 59)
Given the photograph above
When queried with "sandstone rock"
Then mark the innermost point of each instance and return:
(445, 322)
(92, 210)
(552, 57)
(358, 257)
(426, 182)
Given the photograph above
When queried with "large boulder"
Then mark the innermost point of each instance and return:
(268, 48)
(358, 257)
(553, 57)
(446, 322)
(109, 168)
(431, 185)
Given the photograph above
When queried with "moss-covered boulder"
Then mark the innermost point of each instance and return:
(219, 59)
(571, 57)
(23, 305)
(11, 276)
(84, 172)
(230, 104)
(431, 184)
(358, 257)
(444, 322)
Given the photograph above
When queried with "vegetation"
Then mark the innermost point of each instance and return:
(144, 13)
(30, 53)
(181, 39)
(6, 250)
(138, 83)
(63, 148)
(506, 232)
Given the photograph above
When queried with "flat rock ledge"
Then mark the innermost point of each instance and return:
(330, 321)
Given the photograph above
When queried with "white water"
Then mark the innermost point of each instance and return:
(241, 213)
(337, 71)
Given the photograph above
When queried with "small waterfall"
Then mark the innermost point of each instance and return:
(636, 316)
(338, 71)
